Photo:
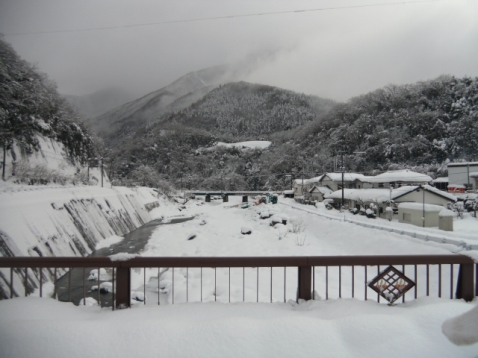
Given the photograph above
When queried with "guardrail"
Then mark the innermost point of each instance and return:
(401, 231)
(310, 274)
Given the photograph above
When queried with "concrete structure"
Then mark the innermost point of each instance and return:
(445, 220)
(465, 173)
(418, 214)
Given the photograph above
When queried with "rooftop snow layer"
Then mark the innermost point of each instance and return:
(420, 206)
(399, 176)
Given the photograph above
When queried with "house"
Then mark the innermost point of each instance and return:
(381, 197)
(395, 178)
(317, 193)
(465, 173)
(301, 187)
(334, 180)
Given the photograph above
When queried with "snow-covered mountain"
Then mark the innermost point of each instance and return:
(177, 95)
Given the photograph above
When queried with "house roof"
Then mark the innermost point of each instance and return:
(420, 206)
(347, 176)
(308, 181)
(400, 176)
(376, 195)
(463, 164)
(383, 195)
(321, 189)
(441, 180)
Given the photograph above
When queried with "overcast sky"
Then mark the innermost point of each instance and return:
(332, 53)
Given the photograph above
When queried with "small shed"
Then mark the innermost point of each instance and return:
(419, 214)
(288, 193)
(445, 220)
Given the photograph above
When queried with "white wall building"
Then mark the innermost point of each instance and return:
(465, 173)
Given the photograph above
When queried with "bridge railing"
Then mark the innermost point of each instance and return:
(169, 280)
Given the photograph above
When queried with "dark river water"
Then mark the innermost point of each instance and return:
(80, 286)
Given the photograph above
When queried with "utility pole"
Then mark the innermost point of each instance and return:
(423, 206)
(342, 170)
(4, 159)
(302, 188)
(467, 176)
(101, 171)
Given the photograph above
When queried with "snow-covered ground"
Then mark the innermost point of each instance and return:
(257, 144)
(34, 327)
(347, 327)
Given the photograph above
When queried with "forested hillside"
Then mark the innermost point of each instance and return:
(248, 110)
(30, 107)
(420, 126)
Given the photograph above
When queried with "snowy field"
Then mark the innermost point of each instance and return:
(347, 327)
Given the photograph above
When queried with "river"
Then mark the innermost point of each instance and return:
(133, 243)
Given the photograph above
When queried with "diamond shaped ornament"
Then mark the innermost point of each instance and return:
(391, 284)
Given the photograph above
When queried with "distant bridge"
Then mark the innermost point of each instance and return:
(225, 194)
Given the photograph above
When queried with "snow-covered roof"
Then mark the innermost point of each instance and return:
(420, 206)
(464, 164)
(449, 196)
(321, 189)
(376, 195)
(288, 192)
(399, 176)
(474, 175)
(441, 180)
(256, 144)
(308, 181)
(347, 176)
(381, 195)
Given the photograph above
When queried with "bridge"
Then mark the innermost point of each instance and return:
(225, 194)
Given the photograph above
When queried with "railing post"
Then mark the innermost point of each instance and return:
(304, 279)
(123, 287)
(464, 287)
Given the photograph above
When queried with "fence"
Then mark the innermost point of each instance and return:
(270, 279)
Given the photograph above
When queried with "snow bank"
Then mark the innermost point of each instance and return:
(34, 327)
(52, 220)
(463, 329)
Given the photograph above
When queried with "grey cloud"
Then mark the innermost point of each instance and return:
(335, 54)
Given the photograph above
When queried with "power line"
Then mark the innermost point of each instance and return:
(226, 17)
